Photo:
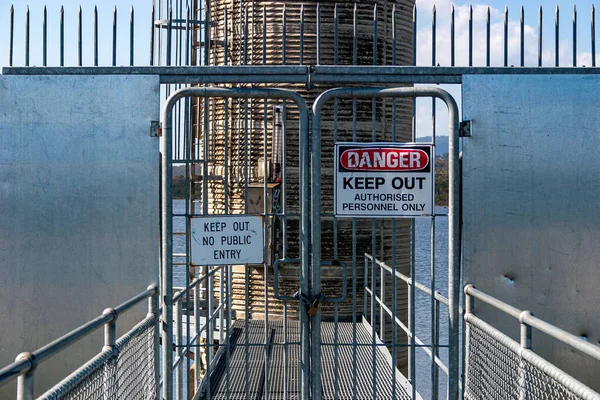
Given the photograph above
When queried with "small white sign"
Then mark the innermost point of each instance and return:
(384, 180)
(227, 239)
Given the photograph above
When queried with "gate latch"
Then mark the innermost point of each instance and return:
(154, 129)
(464, 129)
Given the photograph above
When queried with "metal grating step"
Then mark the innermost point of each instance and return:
(246, 364)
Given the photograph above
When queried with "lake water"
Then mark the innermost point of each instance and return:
(423, 275)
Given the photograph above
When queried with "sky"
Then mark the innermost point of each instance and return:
(143, 17)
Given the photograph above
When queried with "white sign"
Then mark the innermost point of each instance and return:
(227, 239)
(384, 180)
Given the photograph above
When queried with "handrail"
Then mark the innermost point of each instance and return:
(27, 362)
(408, 280)
(526, 318)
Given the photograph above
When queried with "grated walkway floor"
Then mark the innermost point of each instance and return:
(242, 374)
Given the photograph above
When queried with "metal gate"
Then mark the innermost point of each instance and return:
(232, 356)
(370, 369)
(217, 354)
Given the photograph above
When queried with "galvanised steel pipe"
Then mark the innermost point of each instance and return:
(25, 363)
(542, 326)
(453, 220)
(166, 149)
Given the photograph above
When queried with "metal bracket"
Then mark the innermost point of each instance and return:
(154, 128)
(464, 129)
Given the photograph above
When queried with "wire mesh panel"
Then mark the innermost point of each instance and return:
(125, 371)
(492, 367)
(499, 368)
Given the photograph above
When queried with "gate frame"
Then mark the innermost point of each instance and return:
(454, 291)
(166, 196)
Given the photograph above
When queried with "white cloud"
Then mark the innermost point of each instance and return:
(461, 24)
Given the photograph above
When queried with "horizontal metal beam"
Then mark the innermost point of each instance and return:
(332, 74)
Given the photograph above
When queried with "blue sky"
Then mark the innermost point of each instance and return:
(142, 9)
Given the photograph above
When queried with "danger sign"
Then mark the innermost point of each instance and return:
(224, 240)
(384, 180)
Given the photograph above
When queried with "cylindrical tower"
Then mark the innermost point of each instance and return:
(249, 32)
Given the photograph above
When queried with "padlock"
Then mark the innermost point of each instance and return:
(314, 306)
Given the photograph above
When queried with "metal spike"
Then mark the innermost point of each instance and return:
(593, 42)
(62, 36)
(487, 38)
(574, 35)
(556, 35)
(522, 36)
(452, 35)
(540, 37)
(95, 36)
(114, 41)
(506, 35)
(27, 36)
(45, 37)
(11, 36)
(470, 35)
(79, 37)
(131, 35)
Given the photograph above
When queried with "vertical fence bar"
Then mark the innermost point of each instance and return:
(178, 350)
(435, 353)
(593, 34)
(114, 38)
(318, 33)
(169, 36)
(354, 230)
(283, 34)
(470, 36)
(79, 37)
(62, 36)
(27, 36)
(336, 43)
(574, 35)
(45, 37)
(207, 33)
(540, 37)
(506, 36)
(522, 49)
(452, 37)
(95, 36)
(152, 30)
(487, 38)
(302, 34)
(11, 34)
(153, 309)
(131, 35)
(556, 36)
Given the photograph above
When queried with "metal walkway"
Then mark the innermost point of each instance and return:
(247, 364)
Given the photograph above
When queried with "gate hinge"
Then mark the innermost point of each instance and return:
(464, 129)
(155, 129)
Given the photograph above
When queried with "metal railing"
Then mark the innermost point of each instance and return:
(106, 375)
(371, 264)
(497, 367)
(218, 317)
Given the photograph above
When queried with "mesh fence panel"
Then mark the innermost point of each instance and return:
(124, 372)
(496, 370)
(492, 368)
